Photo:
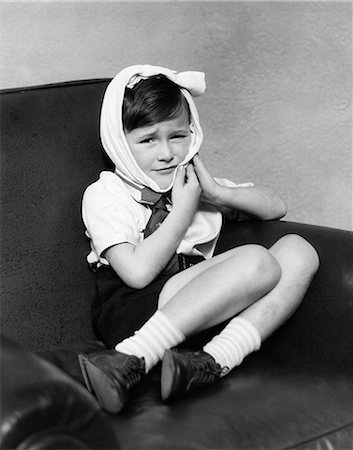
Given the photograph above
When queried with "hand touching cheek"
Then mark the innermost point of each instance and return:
(210, 188)
(186, 192)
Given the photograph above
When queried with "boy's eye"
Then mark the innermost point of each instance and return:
(147, 140)
(179, 136)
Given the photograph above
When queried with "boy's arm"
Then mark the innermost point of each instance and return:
(138, 265)
(258, 202)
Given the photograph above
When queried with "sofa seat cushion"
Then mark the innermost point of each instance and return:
(258, 406)
(265, 403)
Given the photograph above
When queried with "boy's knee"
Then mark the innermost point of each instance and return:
(303, 254)
(262, 265)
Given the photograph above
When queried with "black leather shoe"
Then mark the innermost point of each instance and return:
(109, 375)
(185, 370)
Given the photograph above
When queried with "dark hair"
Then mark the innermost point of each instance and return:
(155, 99)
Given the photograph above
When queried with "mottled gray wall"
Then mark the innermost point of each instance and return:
(278, 105)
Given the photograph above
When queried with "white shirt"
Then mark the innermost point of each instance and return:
(113, 215)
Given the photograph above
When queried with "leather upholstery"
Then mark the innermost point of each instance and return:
(50, 151)
(43, 408)
(296, 392)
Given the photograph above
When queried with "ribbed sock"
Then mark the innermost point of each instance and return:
(151, 341)
(236, 340)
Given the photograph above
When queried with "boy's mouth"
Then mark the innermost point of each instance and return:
(166, 169)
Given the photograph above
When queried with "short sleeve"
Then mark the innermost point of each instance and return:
(229, 183)
(228, 212)
(109, 214)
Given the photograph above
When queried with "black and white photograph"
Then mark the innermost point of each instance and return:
(176, 225)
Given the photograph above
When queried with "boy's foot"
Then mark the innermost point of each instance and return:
(109, 375)
(185, 370)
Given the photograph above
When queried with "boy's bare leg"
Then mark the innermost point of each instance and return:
(299, 262)
(212, 292)
(243, 334)
(218, 289)
(242, 280)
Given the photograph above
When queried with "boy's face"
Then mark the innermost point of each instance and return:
(159, 148)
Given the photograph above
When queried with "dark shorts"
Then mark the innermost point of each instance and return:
(119, 310)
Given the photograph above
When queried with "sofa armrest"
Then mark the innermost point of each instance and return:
(42, 408)
(319, 334)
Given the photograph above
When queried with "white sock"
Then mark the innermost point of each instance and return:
(236, 340)
(151, 341)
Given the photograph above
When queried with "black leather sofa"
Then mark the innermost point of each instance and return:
(295, 393)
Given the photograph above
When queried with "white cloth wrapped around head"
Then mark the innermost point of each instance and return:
(111, 122)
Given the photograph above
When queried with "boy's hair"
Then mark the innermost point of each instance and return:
(155, 99)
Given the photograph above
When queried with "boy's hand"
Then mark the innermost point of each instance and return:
(258, 202)
(210, 188)
(186, 192)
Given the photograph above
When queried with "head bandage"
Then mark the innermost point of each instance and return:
(111, 123)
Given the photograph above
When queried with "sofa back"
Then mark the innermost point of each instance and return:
(50, 151)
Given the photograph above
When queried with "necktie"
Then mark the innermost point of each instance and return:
(158, 204)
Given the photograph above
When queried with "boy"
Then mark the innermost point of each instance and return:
(153, 226)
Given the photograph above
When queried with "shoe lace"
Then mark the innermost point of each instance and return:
(133, 371)
(207, 372)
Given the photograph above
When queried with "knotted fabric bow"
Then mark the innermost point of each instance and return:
(111, 123)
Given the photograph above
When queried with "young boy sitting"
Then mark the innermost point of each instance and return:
(153, 225)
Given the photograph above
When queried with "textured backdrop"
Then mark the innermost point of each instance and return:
(278, 106)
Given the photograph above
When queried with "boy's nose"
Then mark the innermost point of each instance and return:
(165, 152)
